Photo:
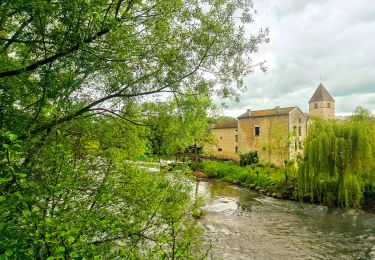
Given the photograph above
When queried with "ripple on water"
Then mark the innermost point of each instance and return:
(245, 225)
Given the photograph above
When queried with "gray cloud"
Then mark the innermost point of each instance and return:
(333, 39)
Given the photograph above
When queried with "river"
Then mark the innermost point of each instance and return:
(242, 224)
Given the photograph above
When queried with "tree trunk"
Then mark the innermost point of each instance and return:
(196, 153)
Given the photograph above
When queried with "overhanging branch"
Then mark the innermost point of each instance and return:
(119, 94)
(54, 57)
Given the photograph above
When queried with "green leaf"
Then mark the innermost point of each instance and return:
(74, 254)
(60, 249)
(26, 213)
(8, 252)
(70, 239)
(2, 198)
(16, 146)
(12, 137)
(48, 237)
(22, 175)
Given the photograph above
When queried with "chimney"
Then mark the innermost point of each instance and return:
(249, 112)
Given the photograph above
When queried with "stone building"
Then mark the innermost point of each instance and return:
(275, 134)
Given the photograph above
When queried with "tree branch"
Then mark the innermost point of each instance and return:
(120, 116)
(118, 94)
(15, 35)
(54, 57)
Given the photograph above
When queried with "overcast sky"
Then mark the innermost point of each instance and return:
(331, 39)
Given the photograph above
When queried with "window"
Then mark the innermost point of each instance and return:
(295, 146)
(257, 131)
(315, 105)
(236, 149)
(220, 149)
(299, 131)
(329, 105)
(299, 120)
(221, 138)
(236, 138)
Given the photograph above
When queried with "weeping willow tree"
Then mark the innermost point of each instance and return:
(339, 161)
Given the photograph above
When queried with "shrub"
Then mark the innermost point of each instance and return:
(249, 158)
(256, 175)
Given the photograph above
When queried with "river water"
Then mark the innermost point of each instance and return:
(242, 224)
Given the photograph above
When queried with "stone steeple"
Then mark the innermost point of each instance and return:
(322, 104)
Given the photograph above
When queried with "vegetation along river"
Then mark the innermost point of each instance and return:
(242, 224)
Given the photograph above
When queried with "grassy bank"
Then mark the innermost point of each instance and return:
(267, 179)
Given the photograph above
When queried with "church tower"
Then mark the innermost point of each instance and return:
(322, 104)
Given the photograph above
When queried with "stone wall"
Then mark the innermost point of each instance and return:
(325, 109)
(224, 144)
(298, 123)
(272, 142)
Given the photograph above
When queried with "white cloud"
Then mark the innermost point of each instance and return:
(332, 39)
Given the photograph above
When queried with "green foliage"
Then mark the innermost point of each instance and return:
(265, 177)
(79, 81)
(249, 158)
(177, 124)
(88, 207)
(338, 166)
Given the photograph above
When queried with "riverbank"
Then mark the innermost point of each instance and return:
(276, 182)
(266, 179)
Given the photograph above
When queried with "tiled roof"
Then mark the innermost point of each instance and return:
(226, 124)
(321, 94)
(267, 112)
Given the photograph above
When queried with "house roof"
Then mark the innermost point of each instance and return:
(226, 124)
(267, 112)
(321, 94)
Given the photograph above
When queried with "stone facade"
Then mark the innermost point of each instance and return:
(225, 141)
(322, 109)
(275, 134)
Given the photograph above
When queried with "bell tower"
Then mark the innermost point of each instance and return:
(322, 104)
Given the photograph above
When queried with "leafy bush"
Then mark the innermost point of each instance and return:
(249, 158)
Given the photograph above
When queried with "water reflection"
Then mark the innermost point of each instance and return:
(245, 225)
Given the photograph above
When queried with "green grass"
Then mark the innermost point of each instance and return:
(256, 176)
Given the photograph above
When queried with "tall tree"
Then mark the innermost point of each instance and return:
(179, 123)
(62, 60)
(72, 75)
(338, 166)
